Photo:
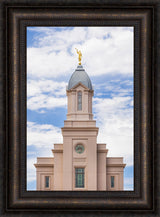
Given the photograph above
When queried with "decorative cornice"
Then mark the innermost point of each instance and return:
(58, 144)
(43, 165)
(115, 165)
(102, 150)
(79, 113)
(80, 128)
(57, 150)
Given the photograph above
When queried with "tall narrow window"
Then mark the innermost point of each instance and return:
(46, 181)
(79, 100)
(112, 181)
(79, 176)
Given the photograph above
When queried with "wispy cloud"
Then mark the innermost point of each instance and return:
(45, 102)
(115, 121)
(105, 50)
(35, 87)
(43, 135)
(45, 94)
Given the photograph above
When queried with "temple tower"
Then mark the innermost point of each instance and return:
(79, 135)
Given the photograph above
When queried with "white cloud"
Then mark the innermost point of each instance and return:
(117, 88)
(35, 87)
(115, 121)
(44, 101)
(104, 49)
(42, 136)
(45, 94)
(43, 62)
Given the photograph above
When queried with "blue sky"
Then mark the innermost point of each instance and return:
(108, 60)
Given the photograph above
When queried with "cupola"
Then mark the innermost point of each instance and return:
(79, 76)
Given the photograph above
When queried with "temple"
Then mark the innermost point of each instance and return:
(79, 163)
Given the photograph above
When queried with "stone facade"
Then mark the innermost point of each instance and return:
(80, 163)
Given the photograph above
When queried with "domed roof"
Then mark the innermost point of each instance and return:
(79, 75)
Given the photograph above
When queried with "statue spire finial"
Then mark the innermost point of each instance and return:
(79, 55)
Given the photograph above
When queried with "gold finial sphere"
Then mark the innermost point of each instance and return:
(79, 55)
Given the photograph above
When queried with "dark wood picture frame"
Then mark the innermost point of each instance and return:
(15, 17)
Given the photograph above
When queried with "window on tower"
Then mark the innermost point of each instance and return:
(79, 177)
(79, 100)
(46, 181)
(112, 181)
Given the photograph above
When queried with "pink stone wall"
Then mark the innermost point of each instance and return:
(112, 167)
(101, 166)
(115, 168)
(44, 167)
(58, 166)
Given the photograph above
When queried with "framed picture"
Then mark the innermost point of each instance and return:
(109, 102)
(29, 29)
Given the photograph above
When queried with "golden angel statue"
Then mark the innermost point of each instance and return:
(79, 55)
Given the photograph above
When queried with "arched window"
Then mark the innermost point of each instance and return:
(79, 100)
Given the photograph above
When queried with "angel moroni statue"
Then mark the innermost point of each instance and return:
(79, 55)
